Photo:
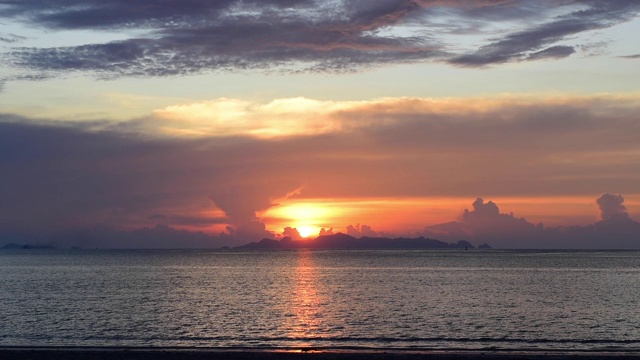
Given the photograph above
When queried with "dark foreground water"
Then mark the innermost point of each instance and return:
(324, 299)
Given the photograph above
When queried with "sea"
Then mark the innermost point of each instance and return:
(322, 299)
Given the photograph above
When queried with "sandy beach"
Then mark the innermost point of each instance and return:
(69, 353)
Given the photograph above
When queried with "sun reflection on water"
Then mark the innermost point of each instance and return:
(307, 302)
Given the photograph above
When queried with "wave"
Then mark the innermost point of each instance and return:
(361, 340)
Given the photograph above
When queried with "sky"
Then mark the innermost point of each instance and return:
(193, 123)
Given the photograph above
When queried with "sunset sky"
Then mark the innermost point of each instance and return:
(193, 123)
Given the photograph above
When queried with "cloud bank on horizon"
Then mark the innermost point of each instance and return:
(183, 37)
(485, 223)
(60, 176)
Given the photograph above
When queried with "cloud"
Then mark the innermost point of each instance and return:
(325, 232)
(227, 117)
(595, 48)
(157, 237)
(110, 14)
(292, 233)
(64, 176)
(554, 52)
(61, 175)
(486, 220)
(611, 207)
(616, 228)
(485, 224)
(241, 202)
(294, 117)
(359, 231)
(527, 44)
(634, 56)
(11, 38)
(185, 37)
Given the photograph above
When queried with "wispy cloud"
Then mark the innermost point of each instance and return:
(536, 42)
(10, 38)
(184, 37)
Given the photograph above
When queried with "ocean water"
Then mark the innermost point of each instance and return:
(520, 300)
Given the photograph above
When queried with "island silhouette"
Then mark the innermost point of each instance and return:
(344, 241)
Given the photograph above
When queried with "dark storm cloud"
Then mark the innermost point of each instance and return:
(182, 37)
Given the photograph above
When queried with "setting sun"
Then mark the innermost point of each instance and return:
(308, 231)
(308, 217)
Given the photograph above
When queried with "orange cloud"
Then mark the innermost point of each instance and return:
(228, 117)
(304, 117)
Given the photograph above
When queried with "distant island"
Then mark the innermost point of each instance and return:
(14, 246)
(331, 241)
(344, 241)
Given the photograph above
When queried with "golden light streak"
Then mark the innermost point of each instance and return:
(280, 117)
(306, 306)
(302, 116)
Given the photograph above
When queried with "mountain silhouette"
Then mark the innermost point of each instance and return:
(344, 241)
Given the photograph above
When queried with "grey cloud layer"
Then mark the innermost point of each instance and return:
(192, 36)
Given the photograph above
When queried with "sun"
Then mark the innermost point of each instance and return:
(307, 231)
(308, 217)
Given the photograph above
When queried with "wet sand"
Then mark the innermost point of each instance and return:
(69, 353)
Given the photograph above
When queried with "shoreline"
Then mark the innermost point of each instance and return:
(201, 353)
